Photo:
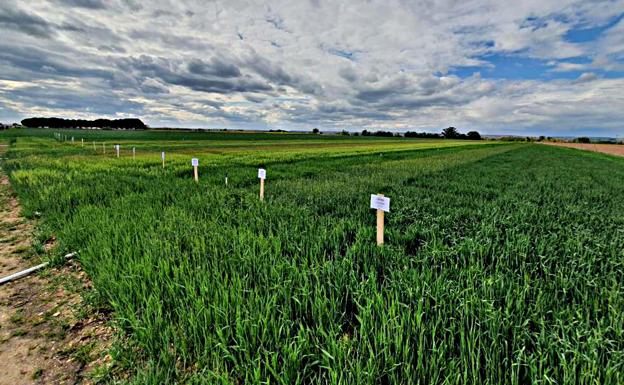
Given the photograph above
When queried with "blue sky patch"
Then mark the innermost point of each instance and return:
(582, 35)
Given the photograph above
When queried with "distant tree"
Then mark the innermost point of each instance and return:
(316, 131)
(541, 138)
(345, 133)
(582, 139)
(450, 133)
(512, 139)
(473, 135)
(411, 134)
(131, 123)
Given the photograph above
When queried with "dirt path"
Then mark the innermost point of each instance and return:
(48, 334)
(613, 149)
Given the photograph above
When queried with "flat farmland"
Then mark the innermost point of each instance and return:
(613, 149)
(502, 263)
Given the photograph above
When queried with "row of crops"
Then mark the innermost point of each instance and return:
(503, 264)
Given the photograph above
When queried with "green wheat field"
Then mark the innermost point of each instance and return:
(503, 263)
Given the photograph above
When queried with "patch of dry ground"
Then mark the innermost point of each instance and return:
(48, 334)
(613, 149)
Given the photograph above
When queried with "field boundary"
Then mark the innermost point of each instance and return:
(48, 334)
(610, 149)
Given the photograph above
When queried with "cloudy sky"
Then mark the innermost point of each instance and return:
(524, 67)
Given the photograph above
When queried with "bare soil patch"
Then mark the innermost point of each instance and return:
(612, 149)
(48, 333)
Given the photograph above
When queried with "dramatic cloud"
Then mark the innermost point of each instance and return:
(528, 68)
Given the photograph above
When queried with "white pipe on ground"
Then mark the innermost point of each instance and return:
(29, 270)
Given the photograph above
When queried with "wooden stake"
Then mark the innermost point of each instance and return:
(162, 156)
(103, 148)
(380, 225)
(94, 149)
(133, 154)
(117, 148)
(196, 174)
(226, 179)
(262, 177)
(82, 140)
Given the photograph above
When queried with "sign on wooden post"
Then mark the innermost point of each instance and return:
(382, 204)
(162, 156)
(195, 163)
(117, 149)
(262, 176)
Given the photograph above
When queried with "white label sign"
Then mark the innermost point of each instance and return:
(380, 203)
(261, 173)
(162, 155)
(195, 162)
(117, 147)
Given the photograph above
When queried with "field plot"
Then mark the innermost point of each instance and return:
(613, 149)
(503, 263)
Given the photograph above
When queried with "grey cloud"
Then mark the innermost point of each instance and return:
(255, 99)
(43, 63)
(54, 98)
(274, 73)
(348, 73)
(153, 86)
(215, 66)
(111, 48)
(198, 83)
(163, 13)
(586, 77)
(90, 4)
(19, 20)
(185, 42)
(206, 81)
(269, 70)
(134, 5)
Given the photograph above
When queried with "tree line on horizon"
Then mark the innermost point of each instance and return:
(447, 133)
(127, 123)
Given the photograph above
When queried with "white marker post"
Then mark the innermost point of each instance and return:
(162, 156)
(382, 204)
(72, 140)
(195, 163)
(262, 176)
(133, 153)
(103, 148)
(117, 149)
(94, 149)
(82, 140)
(226, 175)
